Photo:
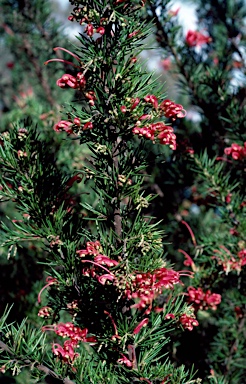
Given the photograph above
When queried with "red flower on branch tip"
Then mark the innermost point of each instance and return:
(236, 151)
(188, 322)
(64, 125)
(172, 110)
(152, 99)
(196, 38)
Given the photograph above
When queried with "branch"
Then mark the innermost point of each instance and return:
(38, 366)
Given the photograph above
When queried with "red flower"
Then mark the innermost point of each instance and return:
(159, 131)
(91, 96)
(63, 125)
(67, 81)
(134, 103)
(195, 38)
(203, 300)
(45, 312)
(125, 360)
(142, 324)
(152, 99)
(188, 322)
(100, 30)
(166, 64)
(88, 125)
(236, 151)
(133, 34)
(170, 109)
(169, 316)
(89, 29)
(123, 109)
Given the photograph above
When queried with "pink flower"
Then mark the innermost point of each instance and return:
(88, 125)
(237, 151)
(66, 353)
(152, 99)
(67, 81)
(125, 360)
(173, 110)
(89, 30)
(45, 312)
(228, 198)
(163, 133)
(145, 287)
(105, 260)
(100, 30)
(195, 38)
(104, 278)
(166, 64)
(203, 300)
(92, 248)
(133, 34)
(142, 324)
(91, 96)
(63, 125)
(123, 109)
(169, 316)
(188, 322)
(134, 103)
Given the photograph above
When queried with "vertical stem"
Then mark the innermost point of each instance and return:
(117, 213)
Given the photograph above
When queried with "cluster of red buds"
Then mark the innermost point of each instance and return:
(74, 334)
(187, 320)
(45, 312)
(196, 39)
(67, 81)
(203, 300)
(69, 126)
(163, 133)
(236, 151)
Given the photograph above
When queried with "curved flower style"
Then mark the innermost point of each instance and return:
(49, 280)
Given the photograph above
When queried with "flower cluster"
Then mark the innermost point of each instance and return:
(203, 300)
(74, 334)
(143, 287)
(67, 81)
(187, 320)
(70, 126)
(159, 131)
(172, 110)
(74, 82)
(195, 39)
(236, 151)
(45, 312)
(228, 261)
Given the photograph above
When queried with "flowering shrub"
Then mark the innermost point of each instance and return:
(115, 292)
